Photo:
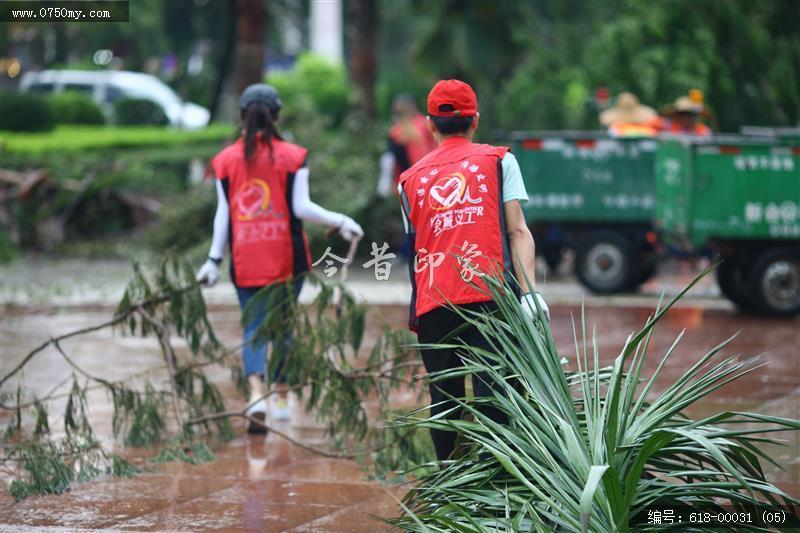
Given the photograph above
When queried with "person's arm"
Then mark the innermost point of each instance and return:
(221, 221)
(523, 247)
(387, 165)
(307, 210)
(209, 273)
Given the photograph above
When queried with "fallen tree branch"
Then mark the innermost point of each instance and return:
(170, 359)
(109, 323)
(79, 369)
(114, 321)
(338, 401)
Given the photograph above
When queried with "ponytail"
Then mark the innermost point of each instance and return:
(258, 119)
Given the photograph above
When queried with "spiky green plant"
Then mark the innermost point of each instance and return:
(586, 450)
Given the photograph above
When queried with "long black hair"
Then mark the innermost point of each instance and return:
(257, 118)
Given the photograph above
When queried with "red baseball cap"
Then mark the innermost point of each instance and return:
(453, 93)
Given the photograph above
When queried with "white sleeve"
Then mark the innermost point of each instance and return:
(221, 222)
(307, 210)
(387, 164)
(513, 184)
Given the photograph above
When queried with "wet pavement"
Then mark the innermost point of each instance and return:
(256, 483)
(266, 484)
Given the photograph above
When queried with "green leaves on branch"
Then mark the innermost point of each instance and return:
(194, 453)
(50, 466)
(173, 299)
(320, 362)
(167, 302)
(323, 366)
(138, 416)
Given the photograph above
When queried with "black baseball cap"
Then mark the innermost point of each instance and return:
(262, 93)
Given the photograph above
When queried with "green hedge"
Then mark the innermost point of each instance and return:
(25, 112)
(72, 139)
(313, 77)
(75, 108)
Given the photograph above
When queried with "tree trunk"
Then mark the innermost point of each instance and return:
(362, 27)
(225, 59)
(251, 27)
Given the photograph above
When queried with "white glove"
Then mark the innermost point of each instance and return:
(529, 305)
(208, 274)
(349, 229)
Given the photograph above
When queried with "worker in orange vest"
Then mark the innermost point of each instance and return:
(683, 117)
(629, 118)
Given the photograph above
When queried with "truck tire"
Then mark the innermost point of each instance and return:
(733, 285)
(605, 262)
(775, 281)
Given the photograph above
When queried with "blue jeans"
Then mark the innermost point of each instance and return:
(254, 354)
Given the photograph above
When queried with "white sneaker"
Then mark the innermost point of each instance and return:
(258, 411)
(280, 409)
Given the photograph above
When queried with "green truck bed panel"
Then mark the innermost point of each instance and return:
(585, 177)
(731, 189)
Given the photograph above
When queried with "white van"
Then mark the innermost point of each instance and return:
(107, 86)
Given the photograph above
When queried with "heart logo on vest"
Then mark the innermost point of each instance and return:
(252, 199)
(447, 191)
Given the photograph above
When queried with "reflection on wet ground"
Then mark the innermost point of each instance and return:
(266, 484)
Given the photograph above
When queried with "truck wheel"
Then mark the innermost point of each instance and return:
(605, 262)
(731, 281)
(776, 281)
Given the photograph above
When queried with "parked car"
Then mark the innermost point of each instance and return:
(107, 86)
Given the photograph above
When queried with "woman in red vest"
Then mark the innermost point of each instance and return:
(462, 213)
(262, 201)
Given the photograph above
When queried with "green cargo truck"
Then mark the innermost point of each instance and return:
(593, 194)
(787, 135)
(739, 198)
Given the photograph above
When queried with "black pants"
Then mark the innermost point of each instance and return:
(438, 326)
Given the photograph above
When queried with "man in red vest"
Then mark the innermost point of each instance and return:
(409, 140)
(462, 213)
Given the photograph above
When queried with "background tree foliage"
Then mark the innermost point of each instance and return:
(744, 55)
(536, 64)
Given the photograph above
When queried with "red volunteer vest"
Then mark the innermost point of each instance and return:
(453, 199)
(268, 244)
